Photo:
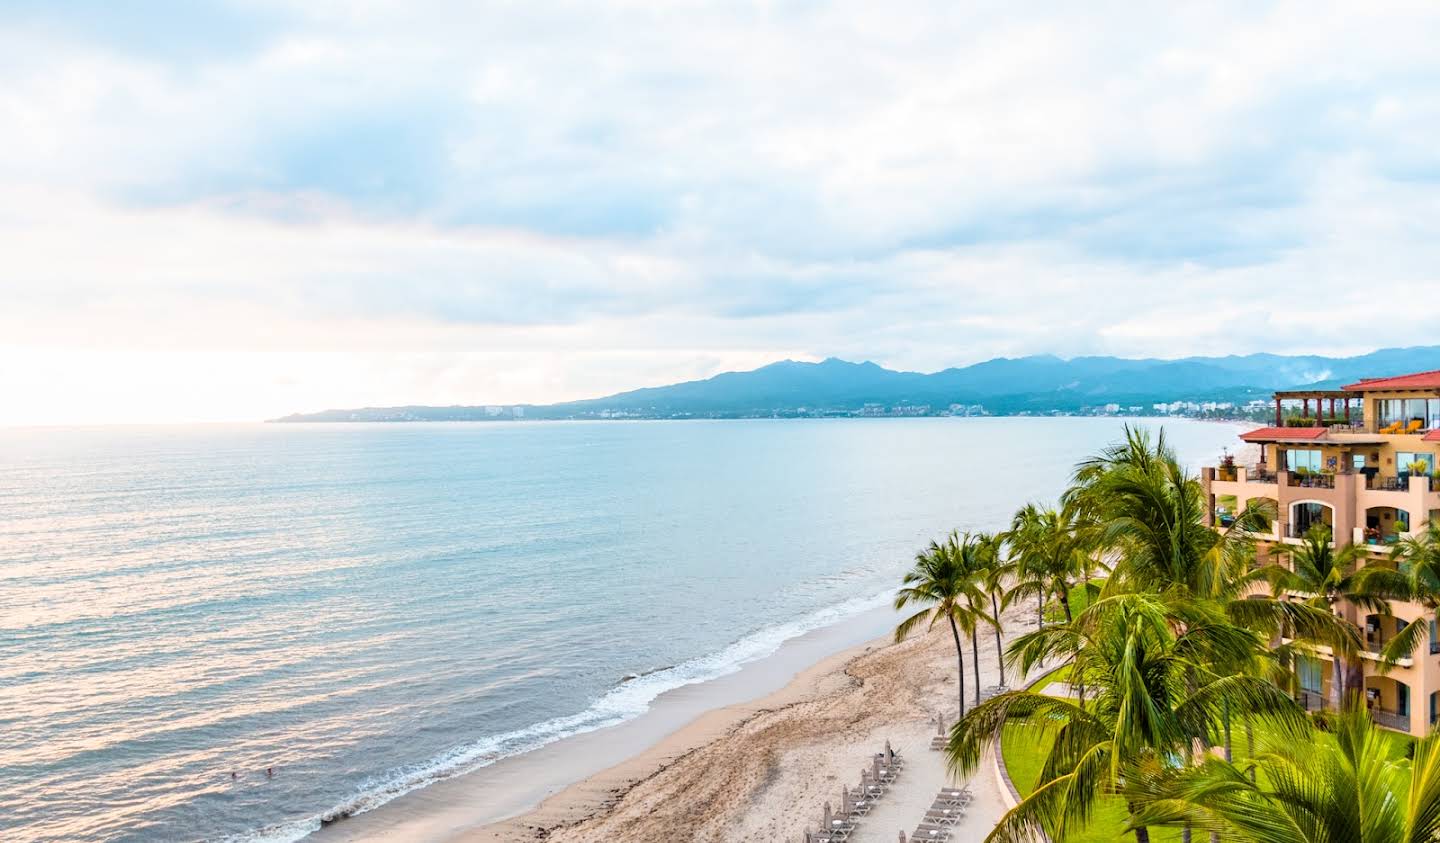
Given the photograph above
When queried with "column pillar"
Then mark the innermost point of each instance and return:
(1277, 412)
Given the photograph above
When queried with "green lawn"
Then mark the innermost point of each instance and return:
(1024, 756)
(1025, 752)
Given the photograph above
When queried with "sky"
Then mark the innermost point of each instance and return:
(232, 211)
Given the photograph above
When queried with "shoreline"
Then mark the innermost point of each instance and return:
(577, 775)
(756, 769)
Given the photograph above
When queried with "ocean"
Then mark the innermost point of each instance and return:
(365, 609)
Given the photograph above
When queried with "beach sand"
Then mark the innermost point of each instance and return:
(755, 771)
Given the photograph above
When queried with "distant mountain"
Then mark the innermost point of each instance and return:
(1040, 383)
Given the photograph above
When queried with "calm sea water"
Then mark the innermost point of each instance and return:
(367, 608)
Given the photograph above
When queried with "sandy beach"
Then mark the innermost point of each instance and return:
(754, 771)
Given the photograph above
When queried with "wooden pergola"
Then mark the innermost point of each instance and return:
(1319, 395)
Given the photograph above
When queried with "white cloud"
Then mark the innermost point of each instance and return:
(589, 197)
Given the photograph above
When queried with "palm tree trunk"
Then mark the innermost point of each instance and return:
(999, 653)
(1142, 834)
(1250, 748)
(959, 659)
(1337, 681)
(975, 660)
(1039, 620)
(1065, 602)
(1229, 755)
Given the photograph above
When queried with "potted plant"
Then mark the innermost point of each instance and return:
(1402, 526)
(1419, 468)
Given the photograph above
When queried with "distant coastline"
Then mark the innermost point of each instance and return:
(1209, 388)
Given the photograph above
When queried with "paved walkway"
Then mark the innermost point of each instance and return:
(913, 791)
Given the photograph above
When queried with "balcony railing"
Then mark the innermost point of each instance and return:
(1390, 719)
(1311, 700)
(1259, 474)
(1387, 484)
(1312, 481)
(1293, 531)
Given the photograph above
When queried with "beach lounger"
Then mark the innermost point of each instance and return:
(837, 827)
(950, 816)
(930, 832)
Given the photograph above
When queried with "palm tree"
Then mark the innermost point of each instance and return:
(1152, 690)
(997, 571)
(947, 579)
(1047, 555)
(1417, 579)
(1349, 790)
(1152, 515)
(1330, 575)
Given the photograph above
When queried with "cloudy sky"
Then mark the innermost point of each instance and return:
(214, 210)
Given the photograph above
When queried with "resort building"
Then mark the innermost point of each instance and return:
(1360, 460)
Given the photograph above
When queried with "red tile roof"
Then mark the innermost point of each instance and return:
(1432, 436)
(1270, 434)
(1418, 380)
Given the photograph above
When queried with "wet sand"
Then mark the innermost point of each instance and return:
(759, 767)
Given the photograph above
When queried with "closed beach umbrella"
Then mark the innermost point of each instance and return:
(845, 807)
(940, 725)
(807, 835)
(902, 836)
(829, 818)
(877, 769)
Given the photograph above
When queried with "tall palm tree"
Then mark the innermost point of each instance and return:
(1152, 514)
(1145, 706)
(1349, 790)
(947, 580)
(1330, 575)
(998, 571)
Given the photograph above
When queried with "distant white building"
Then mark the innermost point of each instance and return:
(517, 412)
(493, 411)
(1112, 409)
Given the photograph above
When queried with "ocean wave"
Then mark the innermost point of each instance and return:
(627, 700)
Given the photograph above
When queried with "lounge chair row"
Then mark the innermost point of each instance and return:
(855, 803)
(944, 814)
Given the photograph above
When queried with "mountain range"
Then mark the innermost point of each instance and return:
(1035, 384)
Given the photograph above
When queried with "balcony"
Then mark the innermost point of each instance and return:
(1311, 481)
(1390, 719)
(1296, 533)
(1377, 483)
(1260, 474)
(1311, 700)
